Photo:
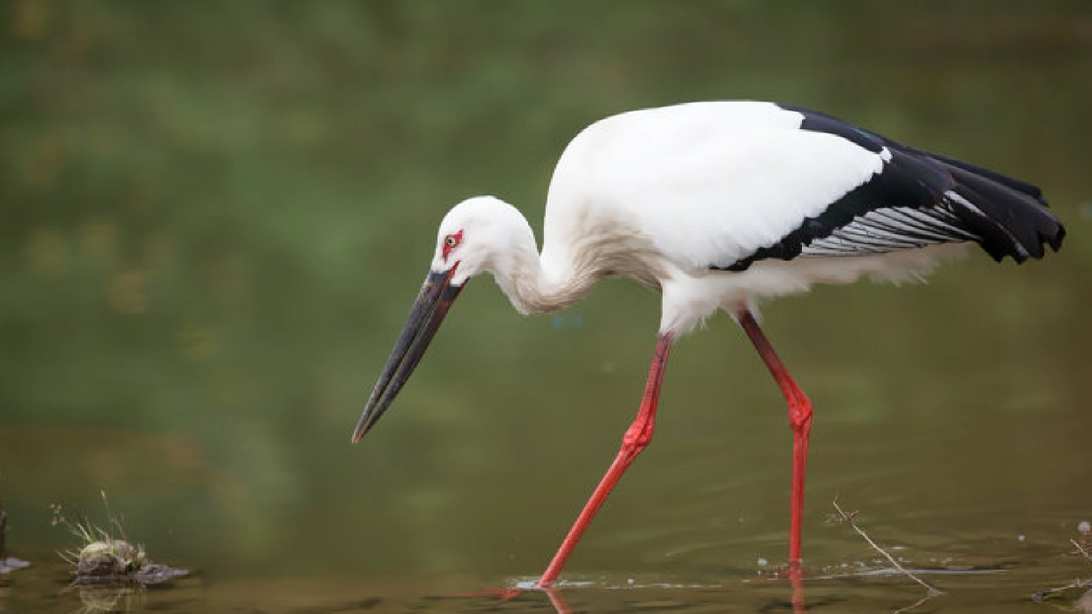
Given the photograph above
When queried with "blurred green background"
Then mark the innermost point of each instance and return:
(216, 214)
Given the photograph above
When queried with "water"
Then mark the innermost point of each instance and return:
(214, 222)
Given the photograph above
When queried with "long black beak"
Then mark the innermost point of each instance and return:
(428, 312)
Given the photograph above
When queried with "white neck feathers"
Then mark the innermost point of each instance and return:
(540, 285)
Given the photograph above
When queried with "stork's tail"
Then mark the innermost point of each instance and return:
(1009, 216)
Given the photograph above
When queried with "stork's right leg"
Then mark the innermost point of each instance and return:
(799, 420)
(636, 438)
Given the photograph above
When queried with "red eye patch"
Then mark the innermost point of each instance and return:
(451, 242)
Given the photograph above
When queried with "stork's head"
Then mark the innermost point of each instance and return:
(477, 235)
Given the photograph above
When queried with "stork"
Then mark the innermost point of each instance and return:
(719, 205)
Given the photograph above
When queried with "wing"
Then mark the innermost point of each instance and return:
(722, 185)
(903, 205)
(915, 200)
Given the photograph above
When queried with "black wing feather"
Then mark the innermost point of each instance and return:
(918, 199)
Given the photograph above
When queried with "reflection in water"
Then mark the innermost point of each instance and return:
(95, 600)
(796, 580)
(556, 600)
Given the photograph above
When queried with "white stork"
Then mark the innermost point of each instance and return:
(719, 205)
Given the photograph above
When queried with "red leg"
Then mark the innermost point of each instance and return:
(799, 421)
(636, 438)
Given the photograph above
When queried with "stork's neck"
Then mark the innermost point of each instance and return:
(537, 284)
(573, 258)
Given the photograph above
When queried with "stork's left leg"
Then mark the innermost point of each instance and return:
(635, 439)
(799, 421)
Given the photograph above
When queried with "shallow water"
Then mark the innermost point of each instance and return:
(214, 223)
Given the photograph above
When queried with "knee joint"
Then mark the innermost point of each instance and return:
(637, 438)
(800, 413)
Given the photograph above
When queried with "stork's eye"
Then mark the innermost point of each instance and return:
(451, 241)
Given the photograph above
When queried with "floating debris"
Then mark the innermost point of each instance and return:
(109, 558)
(7, 564)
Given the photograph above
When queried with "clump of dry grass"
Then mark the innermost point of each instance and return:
(107, 555)
(102, 552)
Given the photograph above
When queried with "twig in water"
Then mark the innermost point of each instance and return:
(1077, 544)
(924, 598)
(932, 592)
(1042, 596)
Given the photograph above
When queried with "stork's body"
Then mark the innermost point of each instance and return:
(719, 205)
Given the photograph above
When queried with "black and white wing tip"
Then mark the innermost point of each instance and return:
(918, 199)
(1009, 216)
